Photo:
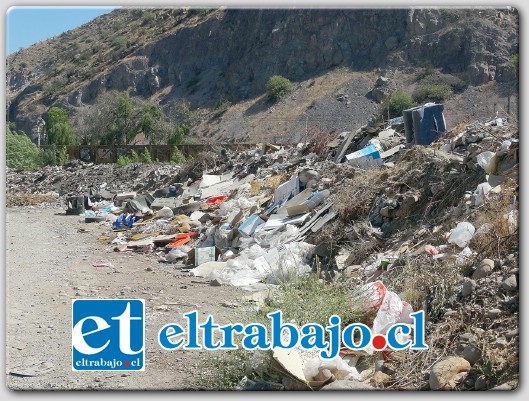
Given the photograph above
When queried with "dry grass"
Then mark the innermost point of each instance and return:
(28, 199)
(422, 278)
(255, 187)
(503, 236)
(354, 198)
(411, 368)
(317, 140)
(273, 182)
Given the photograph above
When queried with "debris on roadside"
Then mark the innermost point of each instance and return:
(366, 209)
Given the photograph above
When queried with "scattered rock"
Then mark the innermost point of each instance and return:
(306, 175)
(446, 374)
(484, 269)
(469, 286)
(510, 283)
(340, 385)
(352, 270)
(511, 333)
(230, 304)
(481, 383)
(470, 352)
(494, 313)
(381, 379)
(506, 386)
(379, 365)
(500, 342)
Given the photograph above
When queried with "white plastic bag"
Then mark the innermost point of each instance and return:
(389, 313)
(165, 212)
(488, 161)
(484, 159)
(223, 236)
(463, 256)
(480, 194)
(274, 238)
(462, 234)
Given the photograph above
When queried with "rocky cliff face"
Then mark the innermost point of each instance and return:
(230, 54)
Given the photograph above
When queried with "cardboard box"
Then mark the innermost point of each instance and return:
(197, 256)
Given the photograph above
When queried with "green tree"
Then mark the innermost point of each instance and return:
(21, 153)
(58, 127)
(180, 133)
(177, 156)
(145, 156)
(123, 130)
(149, 123)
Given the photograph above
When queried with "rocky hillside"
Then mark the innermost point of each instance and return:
(206, 56)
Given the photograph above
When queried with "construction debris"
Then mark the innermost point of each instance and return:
(363, 209)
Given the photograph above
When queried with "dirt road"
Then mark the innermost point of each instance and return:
(49, 262)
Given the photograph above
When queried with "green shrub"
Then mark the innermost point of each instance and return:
(134, 157)
(148, 17)
(177, 157)
(432, 92)
(120, 42)
(63, 156)
(123, 161)
(179, 134)
(277, 87)
(303, 300)
(396, 102)
(21, 153)
(449, 14)
(425, 72)
(221, 108)
(325, 300)
(54, 156)
(145, 156)
(456, 83)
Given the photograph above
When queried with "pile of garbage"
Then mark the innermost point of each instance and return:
(265, 216)
(76, 174)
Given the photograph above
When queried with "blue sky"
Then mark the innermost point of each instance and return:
(28, 25)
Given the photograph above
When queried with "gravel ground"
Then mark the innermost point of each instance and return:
(50, 262)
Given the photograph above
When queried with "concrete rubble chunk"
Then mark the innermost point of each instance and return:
(446, 374)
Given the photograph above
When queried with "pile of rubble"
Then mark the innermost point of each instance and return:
(261, 217)
(76, 174)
